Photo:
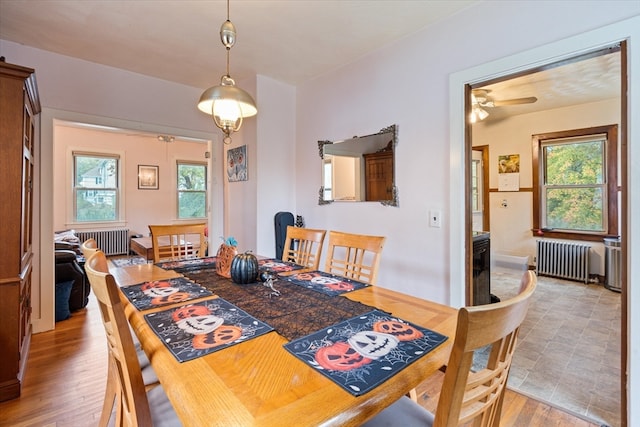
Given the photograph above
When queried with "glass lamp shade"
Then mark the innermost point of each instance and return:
(228, 105)
(478, 114)
(228, 101)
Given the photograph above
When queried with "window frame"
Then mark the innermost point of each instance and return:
(610, 176)
(179, 191)
(117, 189)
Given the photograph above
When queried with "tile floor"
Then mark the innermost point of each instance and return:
(569, 349)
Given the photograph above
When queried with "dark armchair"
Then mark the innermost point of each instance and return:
(69, 269)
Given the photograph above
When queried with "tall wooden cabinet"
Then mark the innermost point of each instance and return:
(19, 106)
(379, 175)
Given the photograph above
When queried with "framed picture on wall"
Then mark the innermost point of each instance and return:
(147, 177)
(237, 164)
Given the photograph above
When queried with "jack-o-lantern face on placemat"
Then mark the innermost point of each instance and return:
(364, 351)
(200, 324)
(402, 331)
(187, 311)
(197, 329)
(188, 264)
(340, 357)
(225, 334)
(162, 292)
(171, 298)
(273, 265)
(326, 283)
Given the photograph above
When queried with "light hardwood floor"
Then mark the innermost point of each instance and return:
(66, 371)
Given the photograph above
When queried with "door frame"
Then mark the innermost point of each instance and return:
(460, 146)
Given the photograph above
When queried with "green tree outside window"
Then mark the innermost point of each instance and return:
(192, 190)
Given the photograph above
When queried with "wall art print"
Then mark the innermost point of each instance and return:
(147, 177)
(237, 164)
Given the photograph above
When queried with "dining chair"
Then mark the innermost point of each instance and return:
(88, 247)
(175, 242)
(303, 246)
(355, 256)
(112, 392)
(466, 395)
(136, 403)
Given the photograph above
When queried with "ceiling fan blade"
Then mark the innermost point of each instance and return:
(515, 101)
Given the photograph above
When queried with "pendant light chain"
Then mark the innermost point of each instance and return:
(226, 103)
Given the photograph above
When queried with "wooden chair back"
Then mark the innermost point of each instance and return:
(303, 246)
(175, 242)
(133, 407)
(477, 396)
(356, 256)
(89, 247)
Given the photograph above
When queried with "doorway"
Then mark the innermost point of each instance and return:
(472, 135)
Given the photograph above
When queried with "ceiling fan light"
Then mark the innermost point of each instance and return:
(477, 114)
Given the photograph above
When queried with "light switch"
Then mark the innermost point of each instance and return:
(435, 218)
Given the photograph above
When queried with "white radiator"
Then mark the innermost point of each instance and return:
(111, 242)
(566, 260)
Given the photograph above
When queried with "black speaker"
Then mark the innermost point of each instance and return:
(282, 220)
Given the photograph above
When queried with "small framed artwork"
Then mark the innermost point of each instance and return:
(147, 177)
(237, 164)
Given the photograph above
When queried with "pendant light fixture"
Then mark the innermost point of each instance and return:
(227, 103)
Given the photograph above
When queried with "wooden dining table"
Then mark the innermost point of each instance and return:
(259, 383)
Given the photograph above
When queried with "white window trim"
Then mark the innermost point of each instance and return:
(71, 222)
(206, 190)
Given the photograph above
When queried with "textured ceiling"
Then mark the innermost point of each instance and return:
(287, 40)
(581, 82)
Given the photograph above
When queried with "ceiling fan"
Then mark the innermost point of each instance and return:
(480, 100)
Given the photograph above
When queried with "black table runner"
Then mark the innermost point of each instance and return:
(295, 313)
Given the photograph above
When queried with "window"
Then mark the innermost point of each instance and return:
(475, 185)
(576, 192)
(327, 175)
(192, 190)
(95, 187)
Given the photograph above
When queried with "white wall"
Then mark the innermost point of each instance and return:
(141, 207)
(511, 226)
(275, 159)
(406, 84)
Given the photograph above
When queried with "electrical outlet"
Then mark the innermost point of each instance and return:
(435, 218)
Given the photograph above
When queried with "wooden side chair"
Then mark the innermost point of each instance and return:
(468, 396)
(303, 246)
(356, 256)
(175, 242)
(88, 248)
(112, 392)
(137, 404)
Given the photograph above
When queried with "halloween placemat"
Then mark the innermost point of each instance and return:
(148, 295)
(188, 264)
(194, 330)
(297, 312)
(276, 266)
(363, 352)
(326, 283)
